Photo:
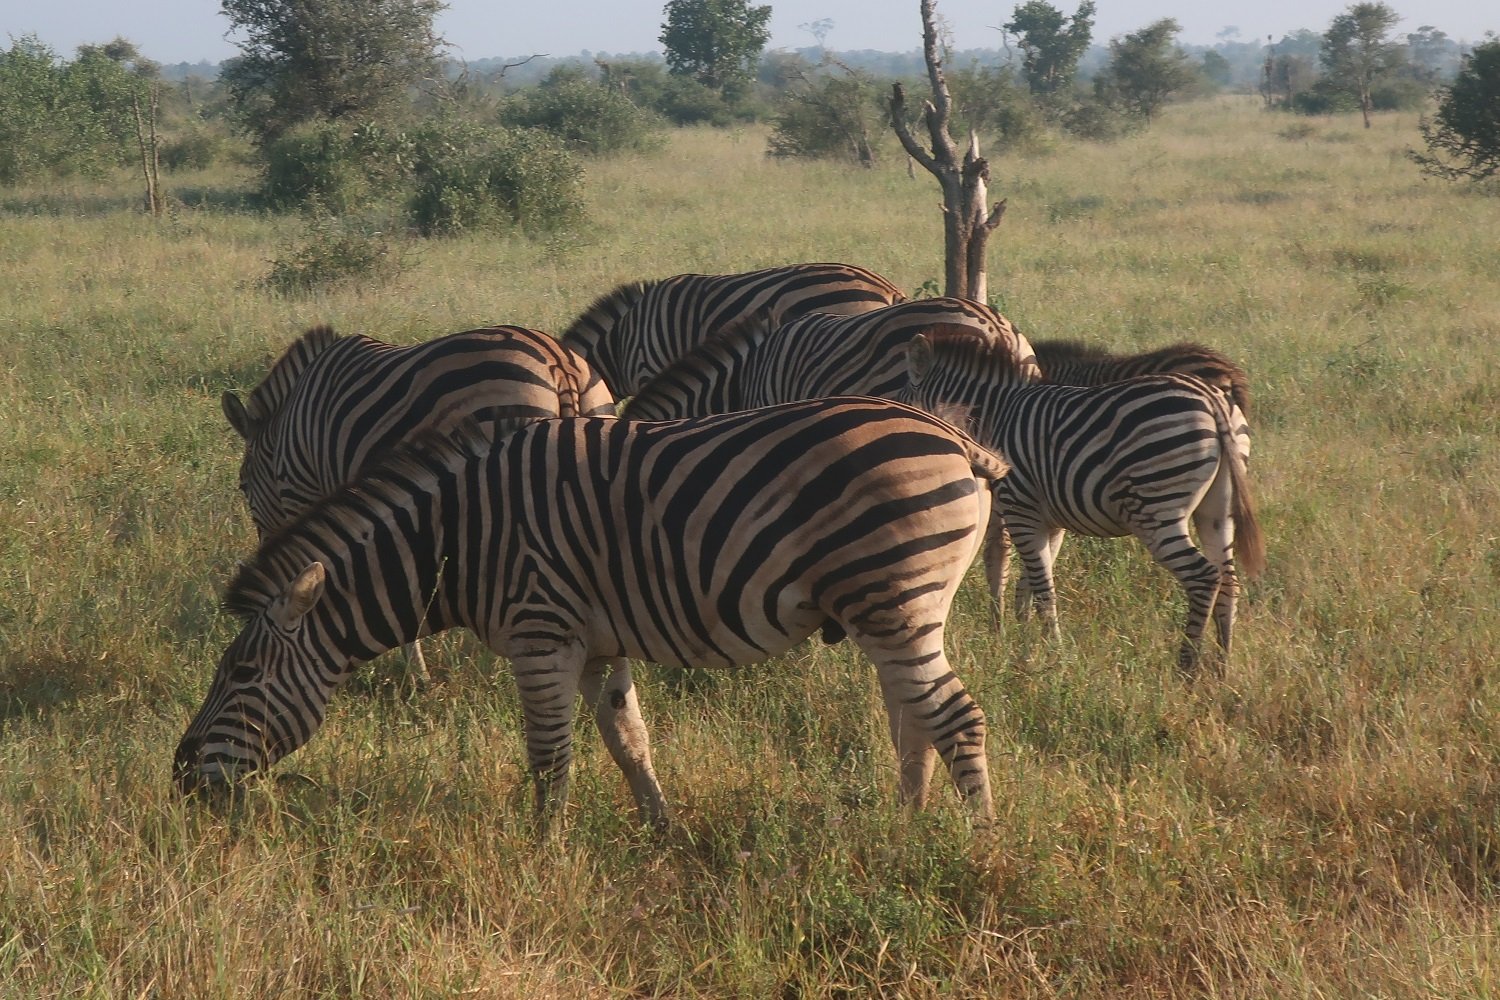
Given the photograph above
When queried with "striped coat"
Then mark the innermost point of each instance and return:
(570, 543)
(758, 363)
(331, 403)
(639, 328)
(1144, 457)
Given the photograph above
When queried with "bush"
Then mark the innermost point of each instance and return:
(317, 165)
(830, 117)
(332, 254)
(1098, 121)
(196, 148)
(587, 116)
(471, 177)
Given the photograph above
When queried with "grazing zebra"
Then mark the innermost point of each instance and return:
(633, 332)
(569, 543)
(1143, 457)
(330, 403)
(756, 363)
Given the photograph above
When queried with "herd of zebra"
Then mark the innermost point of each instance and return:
(796, 449)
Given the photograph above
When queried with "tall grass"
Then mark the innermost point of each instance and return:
(1320, 822)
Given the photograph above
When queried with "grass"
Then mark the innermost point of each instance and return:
(1319, 823)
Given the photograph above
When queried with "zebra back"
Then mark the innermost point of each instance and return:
(758, 363)
(1068, 362)
(633, 332)
(331, 403)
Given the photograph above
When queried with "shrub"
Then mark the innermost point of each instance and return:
(830, 117)
(196, 148)
(316, 164)
(471, 177)
(587, 116)
(332, 254)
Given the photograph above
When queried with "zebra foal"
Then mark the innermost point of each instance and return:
(1139, 457)
(571, 543)
(331, 403)
(631, 333)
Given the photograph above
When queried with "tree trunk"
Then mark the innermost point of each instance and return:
(150, 153)
(967, 218)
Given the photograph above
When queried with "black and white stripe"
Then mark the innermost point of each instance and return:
(757, 363)
(639, 328)
(570, 543)
(1068, 362)
(331, 403)
(1143, 456)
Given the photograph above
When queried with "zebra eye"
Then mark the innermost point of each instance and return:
(244, 673)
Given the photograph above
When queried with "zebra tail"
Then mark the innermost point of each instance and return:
(986, 464)
(1249, 543)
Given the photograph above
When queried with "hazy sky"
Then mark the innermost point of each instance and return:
(190, 30)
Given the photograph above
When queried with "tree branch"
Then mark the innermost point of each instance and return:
(908, 141)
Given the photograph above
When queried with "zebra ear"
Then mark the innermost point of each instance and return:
(239, 418)
(918, 359)
(299, 597)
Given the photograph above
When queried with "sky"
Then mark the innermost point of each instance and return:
(192, 30)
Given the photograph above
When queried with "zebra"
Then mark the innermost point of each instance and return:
(330, 403)
(755, 362)
(570, 543)
(1141, 456)
(636, 330)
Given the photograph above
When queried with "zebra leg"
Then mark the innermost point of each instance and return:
(548, 682)
(931, 715)
(997, 561)
(1200, 579)
(610, 695)
(1036, 544)
(1216, 537)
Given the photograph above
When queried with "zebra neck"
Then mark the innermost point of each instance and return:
(387, 563)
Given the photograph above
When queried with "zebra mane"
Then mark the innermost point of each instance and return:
(265, 399)
(285, 552)
(602, 314)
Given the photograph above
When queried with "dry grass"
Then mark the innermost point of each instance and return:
(1320, 823)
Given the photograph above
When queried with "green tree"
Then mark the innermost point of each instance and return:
(1051, 44)
(1463, 135)
(715, 41)
(1145, 69)
(1357, 53)
(59, 118)
(312, 60)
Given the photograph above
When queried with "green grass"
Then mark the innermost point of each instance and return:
(1322, 822)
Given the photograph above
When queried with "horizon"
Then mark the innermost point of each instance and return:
(194, 31)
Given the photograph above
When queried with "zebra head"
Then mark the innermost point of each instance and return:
(271, 688)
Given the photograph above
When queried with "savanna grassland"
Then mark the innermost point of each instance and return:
(1322, 821)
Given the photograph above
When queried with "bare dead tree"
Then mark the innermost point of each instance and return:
(967, 218)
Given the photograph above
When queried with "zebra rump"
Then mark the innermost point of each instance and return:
(571, 543)
(331, 403)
